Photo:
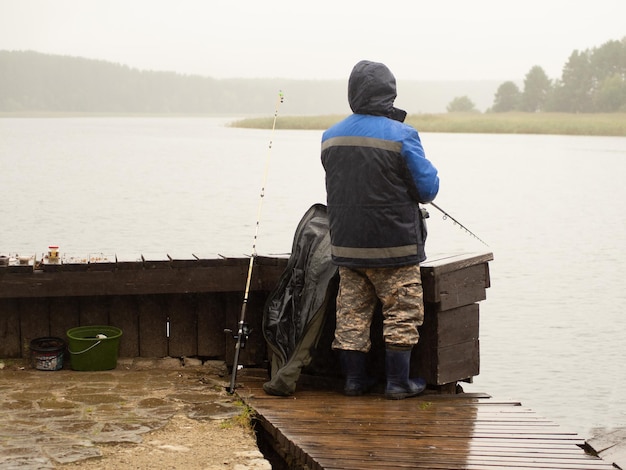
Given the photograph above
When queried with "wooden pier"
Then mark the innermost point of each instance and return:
(319, 428)
(168, 306)
(180, 306)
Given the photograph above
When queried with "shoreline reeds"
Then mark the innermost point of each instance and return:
(591, 124)
(609, 124)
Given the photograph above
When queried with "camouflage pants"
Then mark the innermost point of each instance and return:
(400, 293)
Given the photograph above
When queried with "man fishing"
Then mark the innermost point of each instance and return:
(376, 175)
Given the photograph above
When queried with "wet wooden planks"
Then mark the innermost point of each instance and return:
(323, 429)
(610, 445)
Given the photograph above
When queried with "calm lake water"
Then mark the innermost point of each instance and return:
(550, 208)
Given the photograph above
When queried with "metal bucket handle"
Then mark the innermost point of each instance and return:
(84, 351)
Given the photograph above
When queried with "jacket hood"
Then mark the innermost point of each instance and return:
(372, 90)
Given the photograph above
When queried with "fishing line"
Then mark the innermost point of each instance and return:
(243, 330)
(456, 222)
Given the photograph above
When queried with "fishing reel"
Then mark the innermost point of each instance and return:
(241, 336)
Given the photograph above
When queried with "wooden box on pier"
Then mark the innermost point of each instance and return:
(168, 306)
(448, 350)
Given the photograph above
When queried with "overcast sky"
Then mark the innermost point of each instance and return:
(317, 39)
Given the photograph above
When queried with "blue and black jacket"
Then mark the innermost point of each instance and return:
(376, 174)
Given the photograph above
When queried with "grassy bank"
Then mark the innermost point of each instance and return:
(613, 124)
(609, 124)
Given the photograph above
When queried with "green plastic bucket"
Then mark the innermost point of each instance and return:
(93, 347)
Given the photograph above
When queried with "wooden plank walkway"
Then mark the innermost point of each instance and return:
(610, 446)
(322, 429)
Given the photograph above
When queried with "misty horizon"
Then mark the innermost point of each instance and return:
(455, 40)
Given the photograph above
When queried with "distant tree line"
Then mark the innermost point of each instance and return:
(593, 81)
(32, 81)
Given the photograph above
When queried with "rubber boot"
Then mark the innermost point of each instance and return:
(399, 385)
(353, 365)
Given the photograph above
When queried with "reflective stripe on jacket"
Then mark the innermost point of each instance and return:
(376, 174)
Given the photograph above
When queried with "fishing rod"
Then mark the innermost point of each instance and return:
(448, 216)
(243, 329)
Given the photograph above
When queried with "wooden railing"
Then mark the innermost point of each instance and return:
(164, 308)
(180, 308)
